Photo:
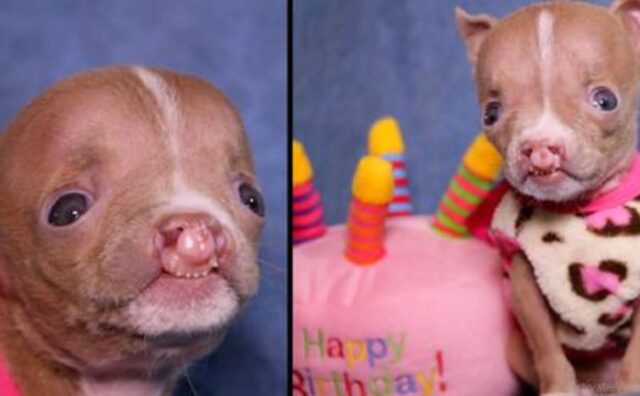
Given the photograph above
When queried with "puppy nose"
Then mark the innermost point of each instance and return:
(541, 154)
(188, 245)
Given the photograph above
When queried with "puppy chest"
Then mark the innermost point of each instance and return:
(586, 265)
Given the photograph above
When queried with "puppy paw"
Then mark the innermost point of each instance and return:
(628, 380)
(556, 376)
(578, 392)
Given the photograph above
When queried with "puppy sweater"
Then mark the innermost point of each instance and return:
(584, 256)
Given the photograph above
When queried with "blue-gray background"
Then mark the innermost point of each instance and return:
(238, 44)
(358, 60)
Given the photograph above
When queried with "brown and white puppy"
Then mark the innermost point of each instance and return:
(129, 224)
(557, 82)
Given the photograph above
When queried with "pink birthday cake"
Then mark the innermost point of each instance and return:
(393, 303)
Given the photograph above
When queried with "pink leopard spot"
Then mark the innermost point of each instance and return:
(596, 279)
(618, 216)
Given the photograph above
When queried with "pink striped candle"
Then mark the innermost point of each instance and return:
(308, 215)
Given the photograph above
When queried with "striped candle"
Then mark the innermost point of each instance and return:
(385, 139)
(308, 216)
(372, 191)
(478, 171)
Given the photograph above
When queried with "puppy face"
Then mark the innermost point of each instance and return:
(557, 85)
(129, 219)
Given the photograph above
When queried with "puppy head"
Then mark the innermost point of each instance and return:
(557, 86)
(129, 219)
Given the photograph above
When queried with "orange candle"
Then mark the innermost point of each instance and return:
(372, 191)
(479, 169)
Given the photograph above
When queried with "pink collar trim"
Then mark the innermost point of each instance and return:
(8, 386)
(628, 189)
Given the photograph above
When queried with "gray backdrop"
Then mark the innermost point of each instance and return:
(357, 60)
(238, 44)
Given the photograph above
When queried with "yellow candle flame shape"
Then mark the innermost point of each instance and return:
(302, 169)
(373, 181)
(385, 137)
(483, 159)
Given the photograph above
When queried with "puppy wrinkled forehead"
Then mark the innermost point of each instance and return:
(116, 97)
(114, 110)
(567, 36)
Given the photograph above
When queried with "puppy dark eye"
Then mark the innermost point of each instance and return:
(67, 209)
(492, 113)
(251, 198)
(603, 99)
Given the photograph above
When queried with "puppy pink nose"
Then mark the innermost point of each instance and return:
(542, 155)
(188, 244)
(195, 243)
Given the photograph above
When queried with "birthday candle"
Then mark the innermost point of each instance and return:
(372, 191)
(385, 139)
(478, 171)
(308, 215)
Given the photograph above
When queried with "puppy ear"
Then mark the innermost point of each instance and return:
(473, 29)
(628, 11)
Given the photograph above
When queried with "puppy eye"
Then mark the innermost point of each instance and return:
(251, 198)
(492, 113)
(603, 99)
(68, 208)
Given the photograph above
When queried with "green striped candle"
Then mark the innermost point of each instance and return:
(474, 179)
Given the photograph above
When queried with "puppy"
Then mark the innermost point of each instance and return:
(129, 224)
(557, 83)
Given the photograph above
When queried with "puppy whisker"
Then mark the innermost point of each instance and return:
(187, 377)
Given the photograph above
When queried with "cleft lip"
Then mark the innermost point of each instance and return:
(174, 266)
(542, 172)
(545, 177)
(191, 250)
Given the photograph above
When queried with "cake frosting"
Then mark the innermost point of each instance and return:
(428, 318)
(393, 303)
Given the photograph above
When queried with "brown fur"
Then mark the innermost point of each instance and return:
(591, 46)
(508, 64)
(65, 290)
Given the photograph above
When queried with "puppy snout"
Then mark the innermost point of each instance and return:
(542, 154)
(190, 244)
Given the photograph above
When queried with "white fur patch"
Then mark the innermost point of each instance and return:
(545, 37)
(166, 99)
(186, 199)
(549, 128)
(89, 387)
(209, 312)
(164, 95)
(545, 50)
